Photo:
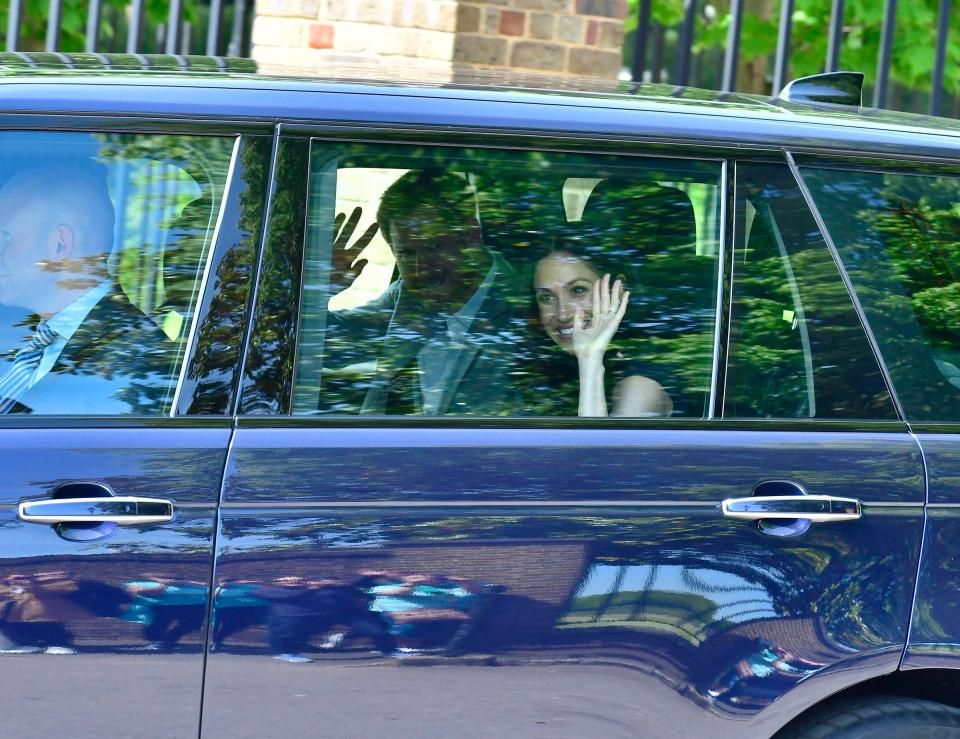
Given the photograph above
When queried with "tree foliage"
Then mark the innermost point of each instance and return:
(898, 236)
(73, 26)
(915, 37)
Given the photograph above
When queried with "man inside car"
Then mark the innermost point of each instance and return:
(86, 349)
(447, 342)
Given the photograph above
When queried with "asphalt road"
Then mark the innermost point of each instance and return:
(134, 696)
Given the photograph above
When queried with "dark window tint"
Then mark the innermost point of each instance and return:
(899, 238)
(797, 349)
(104, 241)
(448, 282)
(208, 384)
(268, 375)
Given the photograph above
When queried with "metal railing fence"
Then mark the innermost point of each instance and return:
(228, 24)
(227, 28)
(650, 41)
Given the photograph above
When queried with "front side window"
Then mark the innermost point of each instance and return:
(898, 235)
(446, 282)
(103, 243)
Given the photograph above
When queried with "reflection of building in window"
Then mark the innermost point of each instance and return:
(362, 187)
(706, 210)
(576, 192)
(668, 598)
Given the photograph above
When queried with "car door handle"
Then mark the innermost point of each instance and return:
(815, 508)
(122, 510)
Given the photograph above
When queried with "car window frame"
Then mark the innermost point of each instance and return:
(318, 134)
(216, 250)
(738, 235)
(465, 137)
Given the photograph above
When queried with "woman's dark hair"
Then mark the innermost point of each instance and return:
(599, 259)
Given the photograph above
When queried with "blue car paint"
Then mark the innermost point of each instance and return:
(600, 560)
(602, 553)
(935, 631)
(131, 662)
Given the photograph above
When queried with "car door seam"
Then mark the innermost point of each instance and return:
(214, 542)
(920, 553)
(258, 268)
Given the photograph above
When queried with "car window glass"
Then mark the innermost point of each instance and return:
(898, 235)
(445, 282)
(797, 349)
(104, 243)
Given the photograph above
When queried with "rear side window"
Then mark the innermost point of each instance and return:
(898, 235)
(446, 282)
(797, 347)
(105, 240)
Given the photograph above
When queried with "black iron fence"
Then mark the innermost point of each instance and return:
(131, 29)
(658, 53)
(650, 42)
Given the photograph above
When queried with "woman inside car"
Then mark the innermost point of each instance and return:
(580, 308)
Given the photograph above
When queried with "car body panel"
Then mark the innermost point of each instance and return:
(105, 625)
(935, 631)
(538, 576)
(652, 119)
(604, 581)
(94, 596)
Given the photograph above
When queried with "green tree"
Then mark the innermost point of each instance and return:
(73, 26)
(914, 37)
(897, 234)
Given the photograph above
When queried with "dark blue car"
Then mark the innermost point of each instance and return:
(332, 408)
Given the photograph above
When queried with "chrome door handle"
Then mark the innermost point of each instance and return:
(815, 508)
(122, 510)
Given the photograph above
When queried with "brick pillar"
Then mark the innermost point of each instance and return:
(559, 37)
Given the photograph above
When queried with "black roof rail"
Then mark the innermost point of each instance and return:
(11, 61)
(835, 88)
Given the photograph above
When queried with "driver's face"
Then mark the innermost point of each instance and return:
(23, 251)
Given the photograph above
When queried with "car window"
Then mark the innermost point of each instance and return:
(797, 348)
(105, 239)
(448, 282)
(898, 235)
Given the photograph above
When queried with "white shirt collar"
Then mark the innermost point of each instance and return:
(66, 322)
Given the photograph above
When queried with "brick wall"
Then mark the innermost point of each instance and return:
(560, 37)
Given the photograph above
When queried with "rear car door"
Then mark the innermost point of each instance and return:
(420, 535)
(897, 227)
(112, 455)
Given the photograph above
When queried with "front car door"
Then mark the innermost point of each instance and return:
(418, 533)
(102, 616)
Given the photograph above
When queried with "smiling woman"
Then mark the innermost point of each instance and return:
(582, 311)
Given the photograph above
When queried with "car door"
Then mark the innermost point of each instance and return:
(112, 460)
(895, 226)
(415, 543)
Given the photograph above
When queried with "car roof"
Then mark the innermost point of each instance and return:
(477, 100)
